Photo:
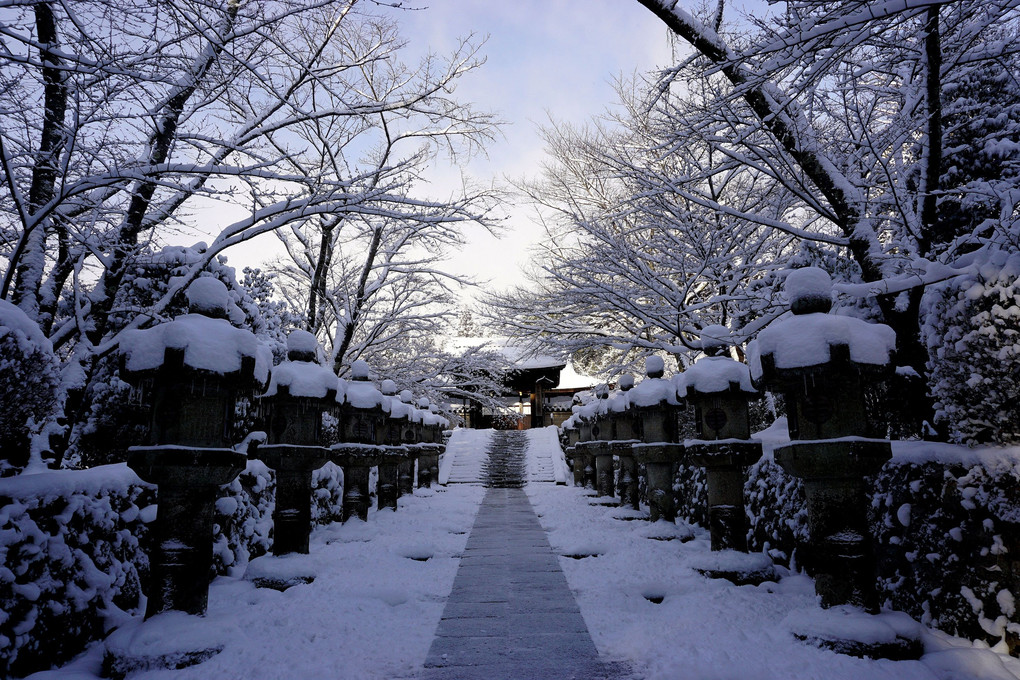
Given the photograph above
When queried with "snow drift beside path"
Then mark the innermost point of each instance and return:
(465, 453)
(709, 629)
(545, 457)
(370, 614)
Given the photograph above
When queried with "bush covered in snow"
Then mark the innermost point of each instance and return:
(973, 337)
(28, 385)
(72, 561)
(73, 551)
(946, 531)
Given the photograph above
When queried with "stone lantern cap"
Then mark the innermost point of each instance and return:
(652, 392)
(626, 382)
(710, 375)
(304, 378)
(361, 393)
(205, 340)
(812, 339)
(388, 388)
(400, 410)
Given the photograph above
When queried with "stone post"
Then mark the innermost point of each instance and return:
(573, 435)
(363, 431)
(820, 363)
(300, 391)
(624, 437)
(388, 490)
(655, 406)
(719, 388)
(602, 447)
(194, 391)
(411, 440)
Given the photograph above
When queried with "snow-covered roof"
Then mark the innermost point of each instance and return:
(714, 374)
(209, 344)
(651, 392)
(304, 379)
(805, 340)
(363, 394)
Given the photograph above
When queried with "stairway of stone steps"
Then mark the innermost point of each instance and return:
(506, 466)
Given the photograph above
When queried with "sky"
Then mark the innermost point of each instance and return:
(545, 58)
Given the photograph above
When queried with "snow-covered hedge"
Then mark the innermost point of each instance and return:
(72, 550)
(946, 523)
(973, 337)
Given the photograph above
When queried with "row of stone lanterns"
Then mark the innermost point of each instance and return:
(197, 369)
(819, 362)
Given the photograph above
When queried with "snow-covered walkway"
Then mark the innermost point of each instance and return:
(375, 608)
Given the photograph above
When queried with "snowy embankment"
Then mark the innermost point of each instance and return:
(643, 603)
(545, 458)
(465, 454)
(371, 612)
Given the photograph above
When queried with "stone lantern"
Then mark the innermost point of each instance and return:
(602, 447)
(430, 434)
(624, 438)
(719, 389)
(434, 426)
(388, 490)
(655, 406)
(411, 439)
(300, 391)
(363, 417)
(584, 462)
(573, 435)
(820, 363)
(196, 368)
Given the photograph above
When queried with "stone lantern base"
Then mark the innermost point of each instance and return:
(169, 641)
(724, 462)
(739, 568)
(292, 516)
(659, 461)
(357, 461)
(839, 553)
(187, 480)
(389, 489)
(428, 464)
(851, 631)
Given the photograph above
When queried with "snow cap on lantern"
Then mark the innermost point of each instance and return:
(655, 367)
(809, 290)
(626, 382)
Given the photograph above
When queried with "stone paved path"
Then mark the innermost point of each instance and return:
(510, 613)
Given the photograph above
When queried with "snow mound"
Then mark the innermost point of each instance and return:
(715, 374)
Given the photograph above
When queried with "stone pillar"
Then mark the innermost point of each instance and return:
(300, 391)
(388, 490)
(654, 403)
(719, 388)
(822, 377)
(194, 393)
(363, 431)
(624, 437)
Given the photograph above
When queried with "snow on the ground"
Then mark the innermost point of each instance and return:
(371, 612)
(465, 454)
(546, 463)
(705, 629)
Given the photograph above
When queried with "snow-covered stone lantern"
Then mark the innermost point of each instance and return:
(584, 461)
(572, 434)
(300, 391)
(820, 363)
(624, 437)
(655, 406)
(388, 490)
(363, 419)
(601, 447)
(434, 425)
(411, 438)
(719, 388)
(431, 437)
(196, 368)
